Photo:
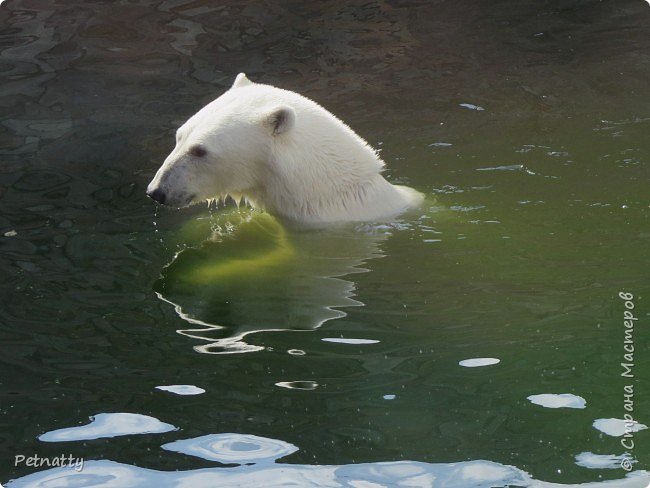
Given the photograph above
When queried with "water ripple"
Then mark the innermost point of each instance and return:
(233, 448)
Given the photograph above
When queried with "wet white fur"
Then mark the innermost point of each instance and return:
(283, 153)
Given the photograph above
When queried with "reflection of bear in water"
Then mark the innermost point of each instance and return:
(281, 152)
(259, 277)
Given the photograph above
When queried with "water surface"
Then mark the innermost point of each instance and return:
(524, 123)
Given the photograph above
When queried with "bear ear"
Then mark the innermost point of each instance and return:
(281, 119)
(241, 80)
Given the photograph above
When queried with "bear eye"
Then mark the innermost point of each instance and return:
(198, 151)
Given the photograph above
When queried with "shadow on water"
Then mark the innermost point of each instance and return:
(252, 275)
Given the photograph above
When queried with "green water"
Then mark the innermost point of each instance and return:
(536, 219)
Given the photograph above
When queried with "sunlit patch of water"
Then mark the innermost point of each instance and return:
(349, 340)
(109, 425)
(182, 389)
(478, 362)
(618, 427)
(563, 400)
(601, 461)
(475, 474)
(298, 385)
(233, 448)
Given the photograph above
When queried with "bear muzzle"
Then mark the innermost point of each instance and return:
(173, 199)
(157, 195)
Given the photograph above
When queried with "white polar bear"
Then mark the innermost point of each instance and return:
(282, 153)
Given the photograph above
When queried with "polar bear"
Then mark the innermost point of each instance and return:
(280, 152)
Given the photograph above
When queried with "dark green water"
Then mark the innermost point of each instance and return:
(537, 218)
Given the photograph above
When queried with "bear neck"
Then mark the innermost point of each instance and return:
(308, 185)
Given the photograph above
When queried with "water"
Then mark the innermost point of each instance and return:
(327, 357)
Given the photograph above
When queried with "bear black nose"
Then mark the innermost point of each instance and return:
(157, 195)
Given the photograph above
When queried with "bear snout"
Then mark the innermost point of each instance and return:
(157, 194)
(164, 196)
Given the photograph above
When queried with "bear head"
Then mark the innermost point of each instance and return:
(223, 149)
